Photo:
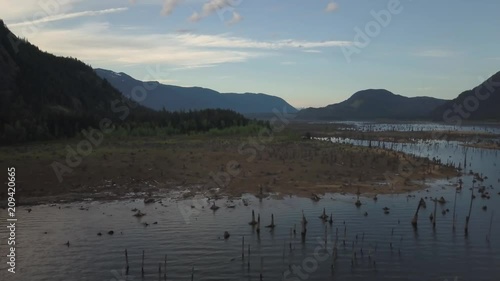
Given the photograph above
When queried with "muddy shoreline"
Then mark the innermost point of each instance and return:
(215, 167)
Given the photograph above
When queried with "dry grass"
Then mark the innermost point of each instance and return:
(284, 166)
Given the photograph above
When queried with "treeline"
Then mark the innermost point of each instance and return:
(45, 97)
(140, 123)
(215, 121)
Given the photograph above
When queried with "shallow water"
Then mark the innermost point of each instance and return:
(418, 127)
(484, 161)
(193, 238)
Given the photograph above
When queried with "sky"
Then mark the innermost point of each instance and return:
(309, 52)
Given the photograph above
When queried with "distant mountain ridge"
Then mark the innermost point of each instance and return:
(480, 103)
(176, 98)
(374, 104)
(45, 97)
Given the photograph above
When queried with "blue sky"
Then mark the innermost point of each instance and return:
(309, 52)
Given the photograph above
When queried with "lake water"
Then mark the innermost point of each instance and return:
(364, 126)
(374, 247)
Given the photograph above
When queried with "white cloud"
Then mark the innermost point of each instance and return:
(211, 7)
(67, 16)
(169, 6)
(214, 5)
(188, 67)
(102, 44)
(195, 17)
(28, 10)
(97, 45)
(235, 19)
(332, 6)
(225, 41)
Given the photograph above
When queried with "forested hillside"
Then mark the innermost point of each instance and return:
(43, 97)
(479, 104)
(375, 104)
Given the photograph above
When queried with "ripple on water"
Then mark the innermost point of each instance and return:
(196, 240)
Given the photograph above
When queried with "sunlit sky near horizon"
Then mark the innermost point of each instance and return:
(294, 49)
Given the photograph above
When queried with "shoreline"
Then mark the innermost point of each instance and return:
(227, 166)
(166, 194)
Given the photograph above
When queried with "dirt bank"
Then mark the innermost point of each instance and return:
(217, 166)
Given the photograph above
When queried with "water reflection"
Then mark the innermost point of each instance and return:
(365, 126)
(424, 254)
(369, 243)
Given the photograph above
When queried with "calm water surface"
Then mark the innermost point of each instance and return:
(377, 246)
(416, 127)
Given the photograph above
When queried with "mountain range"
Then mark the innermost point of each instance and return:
(175, 98)
(43, 96)
(374, 104)
(480, 103)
